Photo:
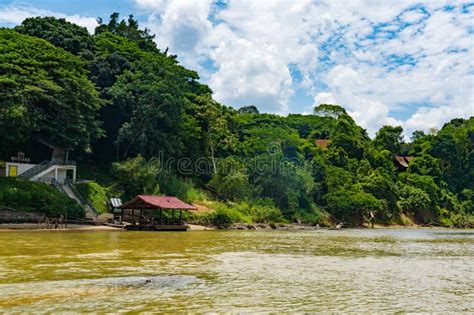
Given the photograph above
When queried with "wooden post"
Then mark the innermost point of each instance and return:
(180, 216)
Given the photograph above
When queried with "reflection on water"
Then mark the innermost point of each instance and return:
(426, 270)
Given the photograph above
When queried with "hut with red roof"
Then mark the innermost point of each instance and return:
(155, 213)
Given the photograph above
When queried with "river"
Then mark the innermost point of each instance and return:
(391, 270)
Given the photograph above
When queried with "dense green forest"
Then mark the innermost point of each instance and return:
(142, 123)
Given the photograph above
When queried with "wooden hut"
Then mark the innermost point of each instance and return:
(402, 162)
(155, 213)
(322, 143)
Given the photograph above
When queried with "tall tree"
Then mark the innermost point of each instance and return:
(330, 110)
(128, 29)
(59, 32)
(389, 138)
(215, 126)
(44, 91)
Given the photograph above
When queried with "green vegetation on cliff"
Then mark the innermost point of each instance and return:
(26, 196)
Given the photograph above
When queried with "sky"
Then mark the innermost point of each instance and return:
(398, 62)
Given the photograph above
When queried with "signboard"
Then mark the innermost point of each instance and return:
(20, 158)
(12, 171)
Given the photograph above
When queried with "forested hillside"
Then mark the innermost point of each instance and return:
(145, 123)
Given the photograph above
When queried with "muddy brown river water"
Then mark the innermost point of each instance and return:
(383, 270)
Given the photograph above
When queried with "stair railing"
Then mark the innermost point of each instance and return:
(58, 186)
(36, 169)
(78, 195)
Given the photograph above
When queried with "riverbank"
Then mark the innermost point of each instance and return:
(6, 227)
(192, 227)
(197, 227)
(40, 227)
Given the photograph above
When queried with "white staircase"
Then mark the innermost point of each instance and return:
(39, 168)
(73, 194)
(43, 172)
(70, 190)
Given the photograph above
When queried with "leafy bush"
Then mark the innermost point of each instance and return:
(260, 211)
(316, 216)
(136, 176)
(231, 181)
(423, 182)
(353, 205)
(194, 194)
(29, 196)
(172, 185)
(95, 193)
(223, 216)
(234, 186)
(415, 201)
(381, 186)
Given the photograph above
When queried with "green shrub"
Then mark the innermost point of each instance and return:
(261, 211)
(416, 202)
(30, 196)
(194, 194)
(353, 205)
(172, 185)
(136, 176)
(231, 182)
(95, 193)
(223, 216)
(316, 216)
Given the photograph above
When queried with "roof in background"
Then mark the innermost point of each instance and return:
(322, 143)
(115, 202)
(403, 160)
(152, 202)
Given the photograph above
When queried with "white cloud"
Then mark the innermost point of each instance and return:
(324, 98)
(413, 16)
(16, 14)
(252, 46)
(251, 74)
(381, 60)
(426, 118)
(347, 89)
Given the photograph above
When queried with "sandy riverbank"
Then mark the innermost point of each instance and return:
(38, 227)
(74, 227)
(195, 227)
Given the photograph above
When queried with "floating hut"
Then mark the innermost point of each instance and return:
(155, 213)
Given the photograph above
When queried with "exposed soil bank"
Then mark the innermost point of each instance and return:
(40, 227)
(195, 227)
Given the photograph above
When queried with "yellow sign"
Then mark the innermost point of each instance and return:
(12, 171)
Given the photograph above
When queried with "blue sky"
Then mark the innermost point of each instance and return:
(398, 62)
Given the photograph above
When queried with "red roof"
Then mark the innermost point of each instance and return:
(322, 143)
(163, 202)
